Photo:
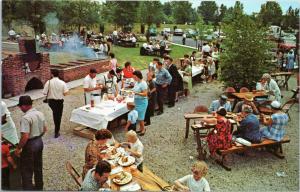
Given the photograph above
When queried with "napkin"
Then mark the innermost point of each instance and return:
(131, 187)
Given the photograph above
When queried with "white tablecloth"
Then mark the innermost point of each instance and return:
(99, 116)
(196, 70)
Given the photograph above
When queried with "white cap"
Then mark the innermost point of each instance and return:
(275, 104)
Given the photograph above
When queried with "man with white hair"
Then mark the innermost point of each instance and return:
(135, 148)
(275, 129)
(268, 84)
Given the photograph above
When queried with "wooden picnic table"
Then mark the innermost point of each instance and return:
(190, 116)
(146, 179)
(203, 126)
(255, 94)
(282, 78)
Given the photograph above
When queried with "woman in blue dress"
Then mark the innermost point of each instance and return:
(290, 61)
(140, 90)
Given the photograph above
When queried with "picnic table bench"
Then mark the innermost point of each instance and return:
(282, 78)
(188, 118)
(264, 143)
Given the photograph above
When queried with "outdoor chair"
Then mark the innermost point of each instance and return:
(244, 89)
(74, 174)
(200, 109)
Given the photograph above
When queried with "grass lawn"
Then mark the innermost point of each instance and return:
(122, 54)
(141, 62)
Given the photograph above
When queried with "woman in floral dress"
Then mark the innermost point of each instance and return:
(220, 137)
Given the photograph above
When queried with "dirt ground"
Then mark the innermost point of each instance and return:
(167, 152)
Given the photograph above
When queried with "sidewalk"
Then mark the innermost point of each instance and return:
(38, 93)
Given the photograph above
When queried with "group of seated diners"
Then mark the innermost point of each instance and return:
(253, 126)
(97, 169)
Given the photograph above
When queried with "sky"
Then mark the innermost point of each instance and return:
(250, 6)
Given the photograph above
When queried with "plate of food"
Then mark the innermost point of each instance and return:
(126, 161)
(114, 153)
(122, 178)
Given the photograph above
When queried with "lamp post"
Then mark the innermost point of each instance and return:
(279, 38)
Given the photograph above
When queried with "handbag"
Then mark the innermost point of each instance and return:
(46, 99)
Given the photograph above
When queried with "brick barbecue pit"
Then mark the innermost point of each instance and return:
(79, 69)
(26, 70)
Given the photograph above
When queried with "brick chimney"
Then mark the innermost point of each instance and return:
(27, 45)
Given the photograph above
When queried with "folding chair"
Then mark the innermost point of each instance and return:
(74, 174)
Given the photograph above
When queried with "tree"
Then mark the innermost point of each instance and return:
(202, 29)
(233, 13)
(33, 12)
(122, 13)
(291, 19)
(150, 12)
(9, 8)
(209, 11)
(270, 13)
(246, 53)
(167, 8)
(79, 13)
(182, 11)
(222, 12)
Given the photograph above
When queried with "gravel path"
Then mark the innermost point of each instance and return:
(167, 152)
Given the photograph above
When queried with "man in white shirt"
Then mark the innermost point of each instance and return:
(91, 87)
(12, 34)
(109, 82)
(206, 49)
(183, 38)
(133, 39)
(56, 89)
(115, 36)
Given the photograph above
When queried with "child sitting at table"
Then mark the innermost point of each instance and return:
(132, 117)
(135, 148)
(6, 159)
(195, 182)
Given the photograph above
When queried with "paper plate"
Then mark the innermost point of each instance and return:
(122, 178)
(126, 161)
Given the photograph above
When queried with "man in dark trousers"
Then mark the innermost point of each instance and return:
(163, 80)
(56, 89)
(176, 83)
(30, 147)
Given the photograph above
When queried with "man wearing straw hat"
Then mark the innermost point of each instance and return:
(248, 100)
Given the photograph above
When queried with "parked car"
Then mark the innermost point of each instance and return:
(287, 43)
(190, 33)
(178, 32)
(166, 31)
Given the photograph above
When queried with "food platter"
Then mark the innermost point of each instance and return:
(122, 178)
(114, 153)
(126, 161)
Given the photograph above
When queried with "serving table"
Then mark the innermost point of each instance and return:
(99, 116)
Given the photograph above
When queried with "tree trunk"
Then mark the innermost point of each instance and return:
(79, 28)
